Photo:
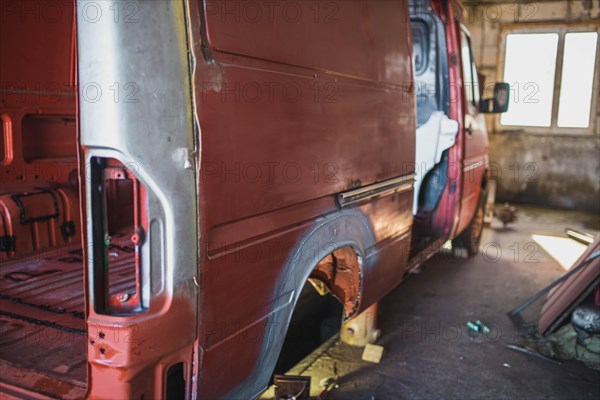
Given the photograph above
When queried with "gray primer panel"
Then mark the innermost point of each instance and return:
(142, 116)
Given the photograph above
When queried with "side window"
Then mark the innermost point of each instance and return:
(420, 47)
(475, 78)
(430, 61)
(470, 79)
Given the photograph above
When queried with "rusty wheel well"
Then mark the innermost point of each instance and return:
(339, 273)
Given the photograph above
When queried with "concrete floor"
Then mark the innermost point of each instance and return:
(429, 353)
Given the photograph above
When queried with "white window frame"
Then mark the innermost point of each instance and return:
(561, 30)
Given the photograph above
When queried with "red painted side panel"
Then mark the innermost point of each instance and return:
(362, 39)
(301, 112)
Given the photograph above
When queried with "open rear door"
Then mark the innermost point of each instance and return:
(137, 141)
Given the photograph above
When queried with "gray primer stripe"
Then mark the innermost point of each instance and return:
(379, 189)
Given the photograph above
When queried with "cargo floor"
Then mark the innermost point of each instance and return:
(42, 322)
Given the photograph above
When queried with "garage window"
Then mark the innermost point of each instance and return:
(577, 80)
(552, 77)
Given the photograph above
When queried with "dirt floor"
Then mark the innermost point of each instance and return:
(429, 353)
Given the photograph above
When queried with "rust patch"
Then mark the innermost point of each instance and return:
(339, 273)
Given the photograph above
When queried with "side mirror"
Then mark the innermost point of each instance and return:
(498, 103)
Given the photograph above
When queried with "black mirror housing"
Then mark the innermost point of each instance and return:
(499, 102)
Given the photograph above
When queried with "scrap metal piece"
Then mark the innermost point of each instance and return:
(515, 315)
(581, 237)
(328, 385)
(288, 387)
(572, 293)
(532, 353)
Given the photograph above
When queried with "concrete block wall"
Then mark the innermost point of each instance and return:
(562, 169)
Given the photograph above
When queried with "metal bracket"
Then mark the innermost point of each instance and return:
(23, 219)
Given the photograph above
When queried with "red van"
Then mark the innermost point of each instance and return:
(175, 172)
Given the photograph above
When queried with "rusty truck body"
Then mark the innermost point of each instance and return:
(174, 172)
